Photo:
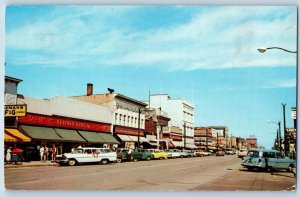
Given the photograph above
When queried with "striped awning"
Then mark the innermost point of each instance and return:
(9, 138)
(18, 135)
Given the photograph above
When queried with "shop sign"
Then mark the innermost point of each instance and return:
(128, 131)
(294, 113)
(15, 110)
(50, 121)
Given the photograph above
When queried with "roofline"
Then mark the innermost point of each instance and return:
(13, 79)
(130, 99)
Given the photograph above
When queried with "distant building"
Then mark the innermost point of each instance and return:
(181, 113)
(251, 142)
(203, 138)
(221, 133)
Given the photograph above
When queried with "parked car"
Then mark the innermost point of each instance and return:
(220, 153)
(229, 152)
(133, 155)
(199, 153)
(158, 154)
(190, 153)
(88, 155)
(182, 153)
(172, 153)
(242, 153)
(140, 154)
(268, 160)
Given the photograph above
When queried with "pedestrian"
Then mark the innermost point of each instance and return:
(267, 165)
(42, 153)
(45, 153)
(53, 156)
(8, 155)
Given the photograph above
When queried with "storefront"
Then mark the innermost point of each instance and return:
(64, 133)
(130, 137)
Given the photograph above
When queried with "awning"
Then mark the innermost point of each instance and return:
(124, 138)
(191, 146)
(133, 138)
(153, 143)
(170, 145)
(96, 137)
(17, 134)
(70, 135)
(143, 139)
(41, 133)
(9, 138)
(177, 144)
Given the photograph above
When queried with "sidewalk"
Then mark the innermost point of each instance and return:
(29, 164)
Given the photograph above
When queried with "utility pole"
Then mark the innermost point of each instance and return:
(184, 129)
(139, 127)
(217, 141)
(286, 146)
(206, 139)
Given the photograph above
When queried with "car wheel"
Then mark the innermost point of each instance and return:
(72, 162)
(104, 161)
(161, 158)
(119, 160)
(134, 159)
(148, 158)
(290, 169)
(181, 156)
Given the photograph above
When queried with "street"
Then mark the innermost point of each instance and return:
(188, 174)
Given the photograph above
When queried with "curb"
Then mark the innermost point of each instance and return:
(28, 165)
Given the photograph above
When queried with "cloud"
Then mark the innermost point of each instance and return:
(290, 83)
(220, 38)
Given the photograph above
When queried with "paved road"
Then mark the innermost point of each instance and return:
(188, 174)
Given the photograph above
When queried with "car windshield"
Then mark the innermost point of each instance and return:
(253, 153)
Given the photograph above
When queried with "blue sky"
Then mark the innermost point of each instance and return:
(206, 55)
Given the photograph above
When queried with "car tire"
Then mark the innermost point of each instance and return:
(104, 161)
(134, 159)
(148, 158)
(119, 160)
(290, 168)
(161, 158)
(72, 162)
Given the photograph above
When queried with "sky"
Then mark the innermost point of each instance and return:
(206, 55)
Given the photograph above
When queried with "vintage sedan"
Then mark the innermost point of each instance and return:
(133, 155)
(158, 154)
(220, 153)
(267, 160)
(172, 153)
(88, 155)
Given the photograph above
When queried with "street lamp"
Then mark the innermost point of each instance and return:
(279, 132)
(262, 49)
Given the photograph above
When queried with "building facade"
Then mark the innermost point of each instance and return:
(128, 116)
(181, 114)
(203, 138)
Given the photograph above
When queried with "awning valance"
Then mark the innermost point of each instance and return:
(124, 138)
(9, 138)
(191, 146)
(70, 135)
(41, 133)
(18, 135)
(96, 137)
(177, 144)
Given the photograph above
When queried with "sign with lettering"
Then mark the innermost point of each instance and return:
(15, 110)
(128, 131)
(294, 113)
(50, 121)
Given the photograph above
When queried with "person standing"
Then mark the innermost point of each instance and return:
(53, 156)
(45, 154)
(42, 153)
(8, 155)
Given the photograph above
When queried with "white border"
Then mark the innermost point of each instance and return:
(21, 193)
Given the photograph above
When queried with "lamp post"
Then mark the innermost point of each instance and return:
(279, 133)
(286, 145)
(184, 137)
(262, 49)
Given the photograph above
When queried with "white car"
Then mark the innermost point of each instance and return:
(173, 153)
(88, 155)
(242, 153)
